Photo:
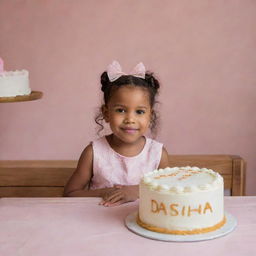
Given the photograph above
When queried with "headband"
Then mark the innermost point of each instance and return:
(114, 71)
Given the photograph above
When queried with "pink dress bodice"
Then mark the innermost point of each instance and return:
(111, 168)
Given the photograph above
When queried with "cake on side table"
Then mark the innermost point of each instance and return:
(14, 86)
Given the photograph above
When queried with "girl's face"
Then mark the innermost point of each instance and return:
(128, 113)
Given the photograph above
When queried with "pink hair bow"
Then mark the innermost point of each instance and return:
(114, 71)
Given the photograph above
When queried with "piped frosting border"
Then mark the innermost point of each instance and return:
(150, 179)
(180, 232)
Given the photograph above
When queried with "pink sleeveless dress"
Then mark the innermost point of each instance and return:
(111, 168)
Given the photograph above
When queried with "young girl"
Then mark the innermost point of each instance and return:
(111, 167)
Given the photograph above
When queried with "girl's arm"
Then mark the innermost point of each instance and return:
(164, 162)
(82, 176)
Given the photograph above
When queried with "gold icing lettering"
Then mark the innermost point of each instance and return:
(183, 210)
(154, 206)
(174, 211)
(162, 208)
(207, 207)
(199, 209)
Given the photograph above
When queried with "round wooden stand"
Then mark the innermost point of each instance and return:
(34, 95)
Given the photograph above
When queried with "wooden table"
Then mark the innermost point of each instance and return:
(79, 226)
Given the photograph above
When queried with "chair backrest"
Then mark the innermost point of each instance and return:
(47, 178)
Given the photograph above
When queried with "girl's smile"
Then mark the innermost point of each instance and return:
(129, 130)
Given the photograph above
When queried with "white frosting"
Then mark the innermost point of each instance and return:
(181, 198)
(14, 83)
(185, 178)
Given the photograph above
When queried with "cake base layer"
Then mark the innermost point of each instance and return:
(133, 226)
(181, 232)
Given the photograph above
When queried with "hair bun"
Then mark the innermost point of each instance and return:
(152, 81)
(104, 81)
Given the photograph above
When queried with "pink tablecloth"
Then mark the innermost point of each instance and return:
(79, 226)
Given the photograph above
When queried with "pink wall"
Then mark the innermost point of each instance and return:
(202, 51)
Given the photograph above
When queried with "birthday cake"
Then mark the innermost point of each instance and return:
(182, 201)
(13, 83)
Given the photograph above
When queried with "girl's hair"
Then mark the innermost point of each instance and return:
(150, 83)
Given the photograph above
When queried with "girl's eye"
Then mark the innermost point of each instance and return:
(140, 112)
(120, 110)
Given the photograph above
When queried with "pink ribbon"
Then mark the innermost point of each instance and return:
(114, 71)
(1, 66)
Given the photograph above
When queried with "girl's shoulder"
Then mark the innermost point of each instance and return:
(87, 152)
(158, 148)
(153, 143)
(99, 142)
(100, 147)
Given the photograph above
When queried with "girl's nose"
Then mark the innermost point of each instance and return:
(129, 118)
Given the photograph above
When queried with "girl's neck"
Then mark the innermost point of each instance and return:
(126, 149)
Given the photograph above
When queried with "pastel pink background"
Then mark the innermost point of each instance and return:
(202, 51)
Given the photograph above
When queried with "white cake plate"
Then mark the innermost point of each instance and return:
(131, 224)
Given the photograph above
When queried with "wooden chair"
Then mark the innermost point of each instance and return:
(47, 178)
